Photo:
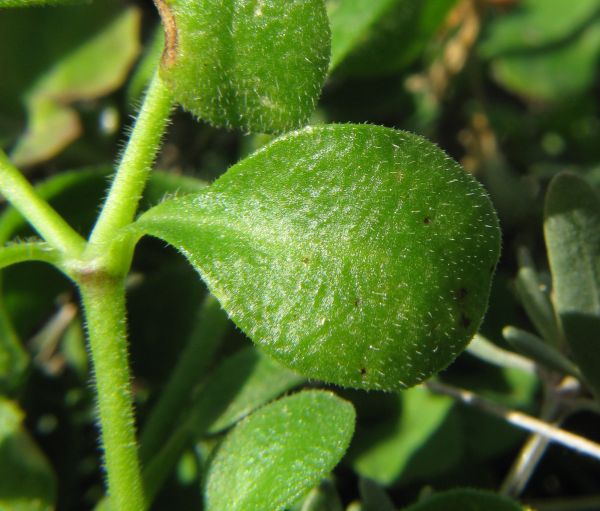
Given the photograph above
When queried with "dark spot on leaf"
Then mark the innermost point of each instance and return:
(305, 260)
(357, 302)
(426, 220)
(465, 321)
(363, 371)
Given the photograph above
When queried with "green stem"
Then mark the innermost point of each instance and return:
(30, 251)
(136, 162)
(190, 368)
(44, 219)
(160, 466)
(104, 304)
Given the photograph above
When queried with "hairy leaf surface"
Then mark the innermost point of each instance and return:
(279, 452)
(356, 254)
(254, 64)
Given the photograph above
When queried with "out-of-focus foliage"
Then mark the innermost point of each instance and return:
(545, 49)
(27, 482)
(72, 66)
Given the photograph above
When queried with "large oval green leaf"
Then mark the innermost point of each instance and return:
(279, 452)
(356, 254)
(254, 64)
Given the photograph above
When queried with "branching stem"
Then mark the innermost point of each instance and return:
(42, 217)
(129, 182)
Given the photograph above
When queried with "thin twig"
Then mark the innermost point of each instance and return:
(534, 448)
(519, 419)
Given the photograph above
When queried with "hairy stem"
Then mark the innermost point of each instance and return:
(43, 218)
(136, 163)
(104, 304)
(29, 251)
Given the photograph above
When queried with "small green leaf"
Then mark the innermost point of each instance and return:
(256, 64)
(572, 231)
(537, 305)
(242, 383)
(40, 38)
(27, 482)
(279, 452)
(487, 351)
(97, 66)
(466, 500)
(359, 255)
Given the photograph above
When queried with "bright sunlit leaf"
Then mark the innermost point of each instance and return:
(355, 254)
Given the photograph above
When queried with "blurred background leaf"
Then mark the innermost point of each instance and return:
(545, 49)
(572, 230)
(52, 68)
(28, 482)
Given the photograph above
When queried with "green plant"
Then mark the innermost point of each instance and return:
(357, 255)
